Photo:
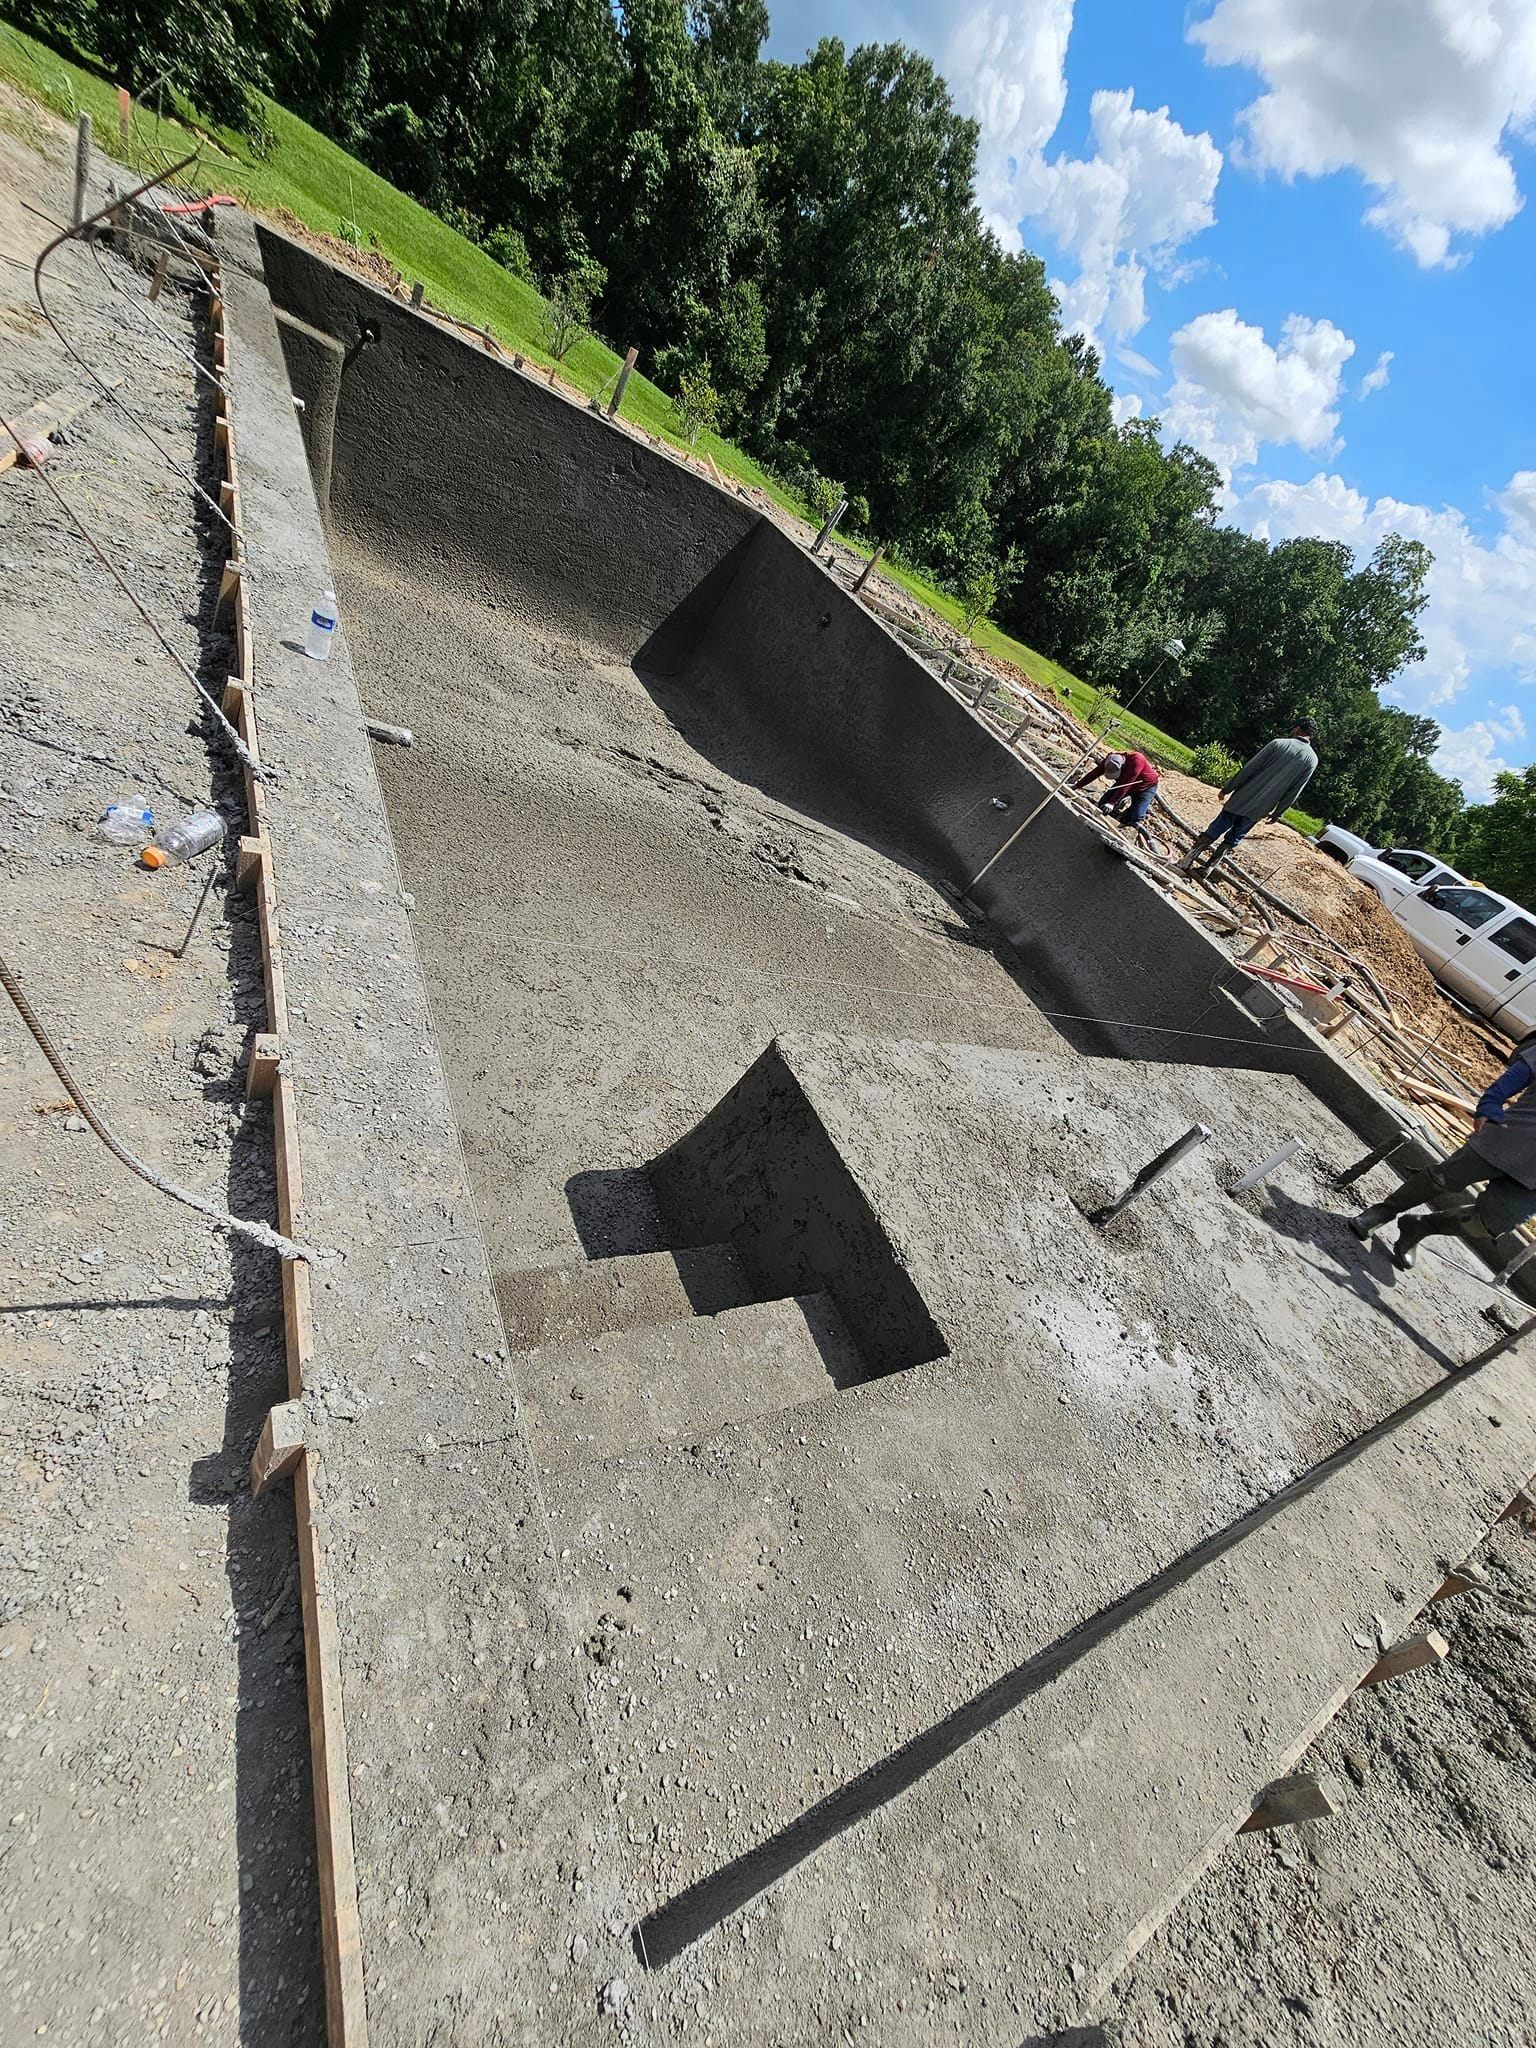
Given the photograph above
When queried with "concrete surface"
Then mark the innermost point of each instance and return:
(873, 1646)
(595, 1397)
(548, 1304)
(474, 1791)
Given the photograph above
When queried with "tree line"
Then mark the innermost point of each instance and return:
(801, 244)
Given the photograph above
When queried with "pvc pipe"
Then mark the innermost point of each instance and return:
(1265, 1167)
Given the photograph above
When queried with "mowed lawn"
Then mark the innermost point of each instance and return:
(297, 171)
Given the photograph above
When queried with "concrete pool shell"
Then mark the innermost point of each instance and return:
(810, 1617)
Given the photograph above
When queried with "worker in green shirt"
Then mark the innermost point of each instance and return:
(1265, 787)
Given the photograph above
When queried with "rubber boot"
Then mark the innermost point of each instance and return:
(1201, 845)
(1371, 1219)
(1412, 1232)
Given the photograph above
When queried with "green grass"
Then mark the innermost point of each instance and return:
(299, 171)
(321, 185)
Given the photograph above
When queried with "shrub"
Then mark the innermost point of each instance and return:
(1212, 763)
(508, 248)
(698, 403)
(568, 315)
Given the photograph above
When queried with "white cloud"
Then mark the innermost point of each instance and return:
(1125, 405)
(1138, 365)
(1472, 754)
(1232, 390)
(1123, 212)
(1377, 379)
(1481, 616)
(1007, 67)
(1517, 501)
(1417, 96)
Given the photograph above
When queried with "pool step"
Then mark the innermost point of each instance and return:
(593, 1397)
(551, 1304)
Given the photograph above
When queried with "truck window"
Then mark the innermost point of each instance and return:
(1468, 906)
(1517, 938)
(1414, 865)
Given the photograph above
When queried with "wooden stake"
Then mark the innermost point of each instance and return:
(261, 1070)
(279, 1447)
(124, 120)
(1411, 1654)
(1290, 1801)
(631, 357)
(1522, 1504)
(82, 166)
(869, 568)
(249, 862)
(228, 583)
(157, 282)
(418, 293)
(1464, 1579)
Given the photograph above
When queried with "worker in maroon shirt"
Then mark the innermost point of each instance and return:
(1132, 786)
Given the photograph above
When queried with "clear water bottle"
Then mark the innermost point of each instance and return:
(184, 840)
(128, 822)
(321, 635)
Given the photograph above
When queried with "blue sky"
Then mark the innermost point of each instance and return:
(1297, 230)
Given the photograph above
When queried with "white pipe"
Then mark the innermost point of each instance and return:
(1266, 1167)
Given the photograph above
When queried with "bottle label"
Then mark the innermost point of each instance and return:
(319, 619)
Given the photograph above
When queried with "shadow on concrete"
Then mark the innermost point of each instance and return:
(1308, 1224)
(111, 1301)
(673, 1927)
(615, 1212)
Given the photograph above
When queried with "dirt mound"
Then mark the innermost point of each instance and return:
(370, 264)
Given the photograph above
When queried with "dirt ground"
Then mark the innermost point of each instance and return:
(1406, 1919)
(155, 1841)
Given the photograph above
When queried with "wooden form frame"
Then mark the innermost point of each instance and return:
(284, 1448)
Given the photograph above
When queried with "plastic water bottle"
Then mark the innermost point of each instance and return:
(128, 822)
(321, 635)
(184, 840)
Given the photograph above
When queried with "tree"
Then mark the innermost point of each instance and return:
(1497, 842)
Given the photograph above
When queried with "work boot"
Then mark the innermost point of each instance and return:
(1187, 865)
(1372, 1219)
(1412, 1233)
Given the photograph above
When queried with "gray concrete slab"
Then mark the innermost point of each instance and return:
(548, 1304)
(819, 1591)
(478, 1812)
(595, 1397)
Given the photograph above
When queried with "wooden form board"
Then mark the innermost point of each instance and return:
(49, 414)
(341, 1928)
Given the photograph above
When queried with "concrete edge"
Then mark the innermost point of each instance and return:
(341, 1933)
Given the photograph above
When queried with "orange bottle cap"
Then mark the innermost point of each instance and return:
(153, 856)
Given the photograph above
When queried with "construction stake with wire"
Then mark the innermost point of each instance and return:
(239, 1226)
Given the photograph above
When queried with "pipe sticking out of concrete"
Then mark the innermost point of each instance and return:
(821, 539)
(1374, 1157)
(82, 166)
(1153, 1170)
(1265, 1167)
(392, 735)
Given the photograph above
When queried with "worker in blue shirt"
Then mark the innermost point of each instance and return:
(1501, 1153)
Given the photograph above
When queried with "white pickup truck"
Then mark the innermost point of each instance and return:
(1478, 943)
